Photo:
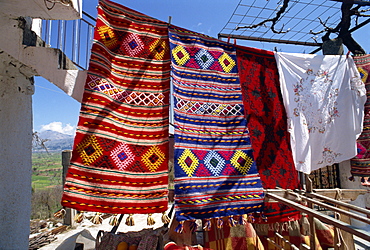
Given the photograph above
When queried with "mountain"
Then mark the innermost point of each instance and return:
(55, 141)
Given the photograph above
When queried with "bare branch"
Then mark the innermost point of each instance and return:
(273, 20)
(361, 11)
(39, 142)
(326, 28)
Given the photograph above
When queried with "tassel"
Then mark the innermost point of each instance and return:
(264, 217)
(285, 227)
(220, 222)
(60, 213)
(97, 219)
(113, 221)
(130, 221)
(165, 218)
(180, 228)
(150, 220)
(241, 220)
(79, 217)
(352, 178)
(193, 226)
(207, 225)
(232, 222)
(290, 227)
(251, 218)
(305, 226)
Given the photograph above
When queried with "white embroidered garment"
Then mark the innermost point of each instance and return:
(324, 99)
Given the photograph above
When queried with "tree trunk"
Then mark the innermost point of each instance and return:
(344, 33)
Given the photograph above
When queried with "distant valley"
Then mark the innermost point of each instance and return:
(54, 141)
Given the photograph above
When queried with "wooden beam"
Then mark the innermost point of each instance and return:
(336, 209)
(270, 40)
(347, 194)
(363, 3)
(322, 217)
(340, 203)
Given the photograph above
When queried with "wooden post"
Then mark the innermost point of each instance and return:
(311, 217)
(347, 238)
(70, 213)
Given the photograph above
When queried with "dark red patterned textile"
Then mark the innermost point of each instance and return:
(267, 126)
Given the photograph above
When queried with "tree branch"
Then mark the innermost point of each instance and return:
(344, 33)
(273, 20)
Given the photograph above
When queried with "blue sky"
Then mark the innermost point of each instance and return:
(55, 110)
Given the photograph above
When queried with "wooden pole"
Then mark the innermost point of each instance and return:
(70, 213)
(311, 216)
(323, 217)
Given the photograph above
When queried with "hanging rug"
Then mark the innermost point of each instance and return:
(264, 109)
(360, 165)
(215, 171)
(120, 153)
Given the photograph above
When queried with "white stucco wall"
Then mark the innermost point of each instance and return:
(362, 200)
(15, 159)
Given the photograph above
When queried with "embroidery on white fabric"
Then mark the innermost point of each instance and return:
(329, 157)
(312, 91)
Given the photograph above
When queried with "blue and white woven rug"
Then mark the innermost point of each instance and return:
(215, 173)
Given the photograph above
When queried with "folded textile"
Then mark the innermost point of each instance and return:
(360, 165)
(120, 153)
(264, 109)
(274, 236)
(215, 172)
(233, 238)
(281, 235)
(324, 98)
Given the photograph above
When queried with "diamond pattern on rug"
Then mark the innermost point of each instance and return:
(89, 149)
(204, 59)
(132, 45)
(147, 99)
(207, 108)
(188, 162)
(159, 49)
(241, 161)
(102, 85)
(180, 55)
(153, 158)
(122, 156)
(214, 162)
(108, 36)
(226, 62)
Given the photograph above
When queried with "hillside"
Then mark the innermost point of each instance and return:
(55, 141)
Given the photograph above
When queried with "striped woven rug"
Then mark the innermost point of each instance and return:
(215, 173)
(360, 165)
(120, 154)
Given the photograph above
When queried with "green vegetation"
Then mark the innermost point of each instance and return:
(46, 170)
(46, 184)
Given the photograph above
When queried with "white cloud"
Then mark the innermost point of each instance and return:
(199, 24)
(58, 127)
